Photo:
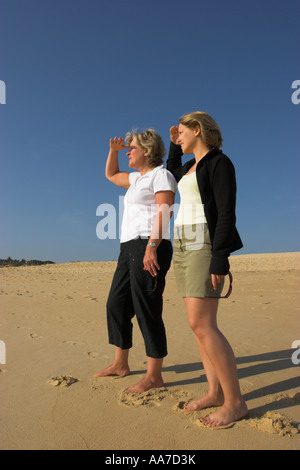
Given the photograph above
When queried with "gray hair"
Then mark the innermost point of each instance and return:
(150, 141)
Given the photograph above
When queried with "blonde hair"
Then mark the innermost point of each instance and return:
(210, 131)
(150, 141)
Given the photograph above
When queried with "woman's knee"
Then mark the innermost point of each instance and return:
(202, 326)
(200, 331)
(193, 323)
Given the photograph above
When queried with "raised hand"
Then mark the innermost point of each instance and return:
(117, 144)
(112, 171)
(174, 134)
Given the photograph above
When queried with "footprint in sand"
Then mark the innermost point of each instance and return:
(35, 336)
(149, 398)
(31, 335)
(74, 343)
(93, 354)
(90, 297)
(275, 423)
(152, 397)
(180, 406)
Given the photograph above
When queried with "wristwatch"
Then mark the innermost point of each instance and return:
(152, 244)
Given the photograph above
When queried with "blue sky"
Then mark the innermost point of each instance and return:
(79, 72)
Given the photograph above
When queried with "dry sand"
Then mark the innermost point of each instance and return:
(54, 328)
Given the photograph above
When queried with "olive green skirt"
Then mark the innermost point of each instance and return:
(191, 261)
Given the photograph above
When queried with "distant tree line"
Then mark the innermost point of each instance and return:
(15, 262)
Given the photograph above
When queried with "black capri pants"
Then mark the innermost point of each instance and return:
(135, 292)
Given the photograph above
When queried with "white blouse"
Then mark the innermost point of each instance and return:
(140, 208)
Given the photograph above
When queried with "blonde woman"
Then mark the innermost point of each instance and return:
(145, 256)
(205, 235)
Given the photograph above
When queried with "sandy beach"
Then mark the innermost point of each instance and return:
(53, 324)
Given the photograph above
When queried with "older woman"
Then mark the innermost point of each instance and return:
(205, 235)
(145, 255)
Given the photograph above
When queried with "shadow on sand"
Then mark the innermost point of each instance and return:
(260, 364)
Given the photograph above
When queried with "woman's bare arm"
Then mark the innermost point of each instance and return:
(112, 172)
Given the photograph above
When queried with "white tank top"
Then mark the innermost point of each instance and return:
(191, 209)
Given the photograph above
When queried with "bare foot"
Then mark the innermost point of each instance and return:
(205, 402)
(121, 371)
(146, 384)
(225, 415)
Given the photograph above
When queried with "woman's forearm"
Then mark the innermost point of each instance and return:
(112, 171)
(165, 203)
(161, 223)
(112, 163)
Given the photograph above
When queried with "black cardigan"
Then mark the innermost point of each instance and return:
(217, 185)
